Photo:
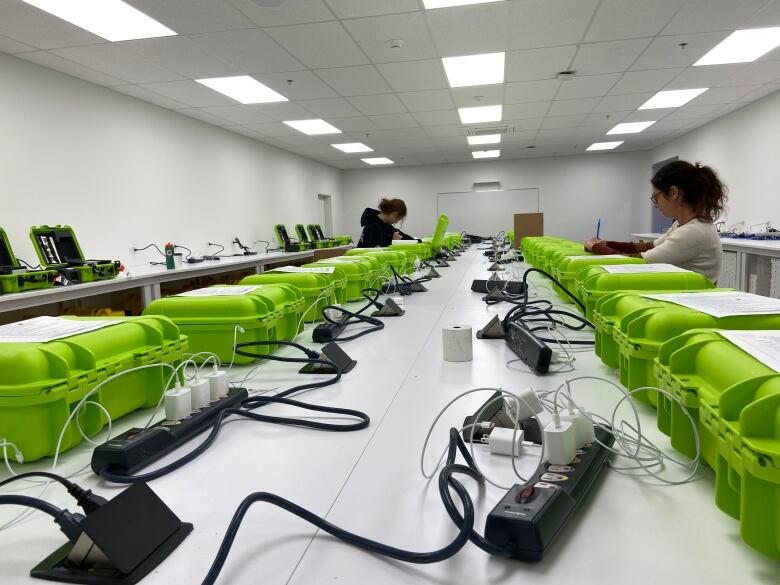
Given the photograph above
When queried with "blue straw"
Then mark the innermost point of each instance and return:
(598, 228)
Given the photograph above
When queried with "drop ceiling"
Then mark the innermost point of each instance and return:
(333, 60)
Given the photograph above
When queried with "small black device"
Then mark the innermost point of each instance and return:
(530, 517)
(389, 309)
(136, 448)
(534, 352)
(495, 413)
(335, 354)
(327, 332)
(512, 287)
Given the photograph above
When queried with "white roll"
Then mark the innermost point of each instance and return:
(200, 394)
(456, 344)
(177, 404)
(218, 384)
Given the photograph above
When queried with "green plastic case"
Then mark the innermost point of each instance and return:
(41, 382)
(388, 258)
(354, 272)
(304, 238)
(316, 234)
(735, 400)
(338, 279)
(421, 250)
(286, 243)
(437, 239)
(58, 249)
(593, 282)
(268, 313)
(317, 289)
(532, 247)
(13, 278)
(565, 269)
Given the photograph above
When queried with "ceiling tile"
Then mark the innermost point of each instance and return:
(194, 16)
(191, 93)
(605, 118)
(571, 107)
(10, 46)
(330, 107)
(118, 62)
(283, 111)
(360, 8)
(320, 45)
(528, 110)
(395, 135)
(180, 54)
(29, 25)
(639, 81)
(392, 121)
(769, 16)
(712, 15)
(377, 105)
(373, 34)
(618, 103)
(665, 52)
(724, 95)
(518, 138)
(349, 81)
(414, 75)
(562, 122)
(199, 114)
(541, 23)
(647, 115)
(630, 19)
(708, 76)
(757, 73)
(531, 91)
(353, 124)
(289, 12)
(467, 30)
(427, 101)
(483, 95)
(555, 133)
(275, 129)
(239, 114)
(587, 86)
(252, 51)
(305, 85)
(692, 111)
(608, 57)
(761, 92)
(524, 125)
(438, 118)
(70, 68)
(445, 131)
(535, 64)
(150, 96)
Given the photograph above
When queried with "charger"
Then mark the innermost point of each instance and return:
(178, 404)
(525, 406)
(559, 441)
(500, 441)
(584, 432)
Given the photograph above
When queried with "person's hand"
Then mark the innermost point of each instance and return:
(592, 242)
(397, 236)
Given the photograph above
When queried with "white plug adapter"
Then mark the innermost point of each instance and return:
(500, 441)
(218, 384)
(559, 447)
(200, 394)
(584, 431)
(177, 404)
(527, 406)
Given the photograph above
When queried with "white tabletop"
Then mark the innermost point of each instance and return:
(628, 531)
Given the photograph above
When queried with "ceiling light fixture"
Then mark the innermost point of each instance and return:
(353, 147)
(672, 98)
(486, 153)
(244, 89)
(631, 127)
(484, 139)
(742, 46)
(485, 69)
(604, 145)
(480, 114)
(431, 4)
(113, 20)
(377, 161)
(312, 127)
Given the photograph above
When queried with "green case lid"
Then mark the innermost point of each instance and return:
(60, 240)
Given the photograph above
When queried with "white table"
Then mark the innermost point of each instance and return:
(629, 531)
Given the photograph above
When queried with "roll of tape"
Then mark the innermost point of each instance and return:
(456, 344)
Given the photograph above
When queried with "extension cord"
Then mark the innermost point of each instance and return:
(326, 332)
(530, 517)
(137, 448)
(534, 352)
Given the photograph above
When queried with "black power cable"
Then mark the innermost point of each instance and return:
(69, 523)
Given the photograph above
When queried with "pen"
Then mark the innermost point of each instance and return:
(598, 228)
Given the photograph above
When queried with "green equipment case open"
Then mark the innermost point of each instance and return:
(286, 242)
(14, 278)
(58, 249)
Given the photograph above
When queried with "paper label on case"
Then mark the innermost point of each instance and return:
(642, 268)
(220, 291)
(43, 329)
(723, 304)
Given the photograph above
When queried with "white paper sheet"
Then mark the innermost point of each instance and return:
(43, 329)
(220, 291)
(596, 257)
(642, 268)
(723, 304)
(762, 345)
(322, 270)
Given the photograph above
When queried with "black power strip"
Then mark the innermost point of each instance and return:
(534, 352)
(530, 517)
(134, 449)
(512, 287)
(326, 332)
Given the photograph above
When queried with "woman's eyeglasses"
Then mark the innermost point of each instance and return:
(654, 196)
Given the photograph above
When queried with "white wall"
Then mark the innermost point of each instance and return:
(744, 147)
(575, 191)
(124, 172)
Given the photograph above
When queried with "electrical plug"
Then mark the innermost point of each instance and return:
(559, 441)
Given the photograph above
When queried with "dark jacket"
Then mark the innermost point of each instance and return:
(376, 232)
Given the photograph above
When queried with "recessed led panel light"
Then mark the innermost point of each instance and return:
(631, 127)
(113, 20)
(486, 154)
(672, 98)
(604, 145)
(484, 139)
(742, 46)
(313, 127)
(430, 4)
(485, 69)
(377, 161)
(244, 89)
(353, 147)
(480, 114)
